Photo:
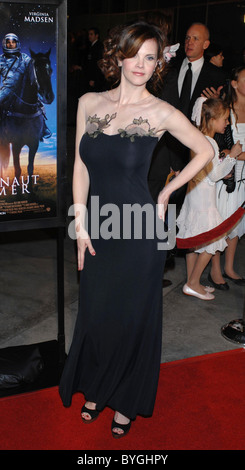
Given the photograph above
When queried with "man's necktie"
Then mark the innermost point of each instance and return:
(185, 95)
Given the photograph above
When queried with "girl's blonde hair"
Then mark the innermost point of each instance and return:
(212, 108)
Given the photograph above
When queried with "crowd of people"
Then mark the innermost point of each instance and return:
(154, 120)
(210, 82)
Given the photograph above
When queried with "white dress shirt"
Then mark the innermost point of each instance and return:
(196, 68)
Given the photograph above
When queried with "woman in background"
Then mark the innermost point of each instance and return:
(229, 202)
(214, 54)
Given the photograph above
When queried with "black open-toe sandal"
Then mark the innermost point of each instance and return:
(125, 428)
(92, 413)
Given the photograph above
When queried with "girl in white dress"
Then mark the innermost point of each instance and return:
(228, 203)
(199, 212)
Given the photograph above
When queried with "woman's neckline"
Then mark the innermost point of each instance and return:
(235, 122)
(107, 95)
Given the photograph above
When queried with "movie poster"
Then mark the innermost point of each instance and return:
(28, 115)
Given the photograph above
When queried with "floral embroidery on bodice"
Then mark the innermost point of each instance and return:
(96, 125)
(138, 128)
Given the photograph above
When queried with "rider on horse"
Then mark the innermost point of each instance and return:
(14, 65)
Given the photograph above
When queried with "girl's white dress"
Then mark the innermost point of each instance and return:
(199, 212)
(228, 203)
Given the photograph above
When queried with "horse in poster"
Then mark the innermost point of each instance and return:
(24, 122)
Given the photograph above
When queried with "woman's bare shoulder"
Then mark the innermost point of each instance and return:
(164, 106)
(161, 112)
(92, 97)
(90, 101)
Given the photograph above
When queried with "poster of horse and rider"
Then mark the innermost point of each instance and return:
(28, 111)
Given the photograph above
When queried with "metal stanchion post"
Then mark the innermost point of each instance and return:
(235, 330)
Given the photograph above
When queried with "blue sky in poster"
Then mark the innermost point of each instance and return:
(35, 25)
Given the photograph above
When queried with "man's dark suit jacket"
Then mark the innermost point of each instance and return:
(93, 71)
(210, 76)
(169, 152)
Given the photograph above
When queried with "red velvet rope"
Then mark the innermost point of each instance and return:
(212, 235)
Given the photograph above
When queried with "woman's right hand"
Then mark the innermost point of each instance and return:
(83, 243)
(236, 149)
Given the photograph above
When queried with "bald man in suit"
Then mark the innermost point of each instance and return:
(207, 79)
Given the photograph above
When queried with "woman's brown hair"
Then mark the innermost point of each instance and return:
(231, 97)
(124, 42)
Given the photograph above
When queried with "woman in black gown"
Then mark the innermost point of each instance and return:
(115, 354)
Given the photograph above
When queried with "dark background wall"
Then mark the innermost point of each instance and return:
(225, 19)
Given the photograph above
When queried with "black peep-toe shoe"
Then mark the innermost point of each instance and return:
(124, 427)
(92, 413)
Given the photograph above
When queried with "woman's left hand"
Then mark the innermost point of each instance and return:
(162, 203)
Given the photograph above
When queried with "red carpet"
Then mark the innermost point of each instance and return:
(200, 406)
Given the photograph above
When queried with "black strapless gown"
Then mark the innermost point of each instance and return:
(115, 354)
